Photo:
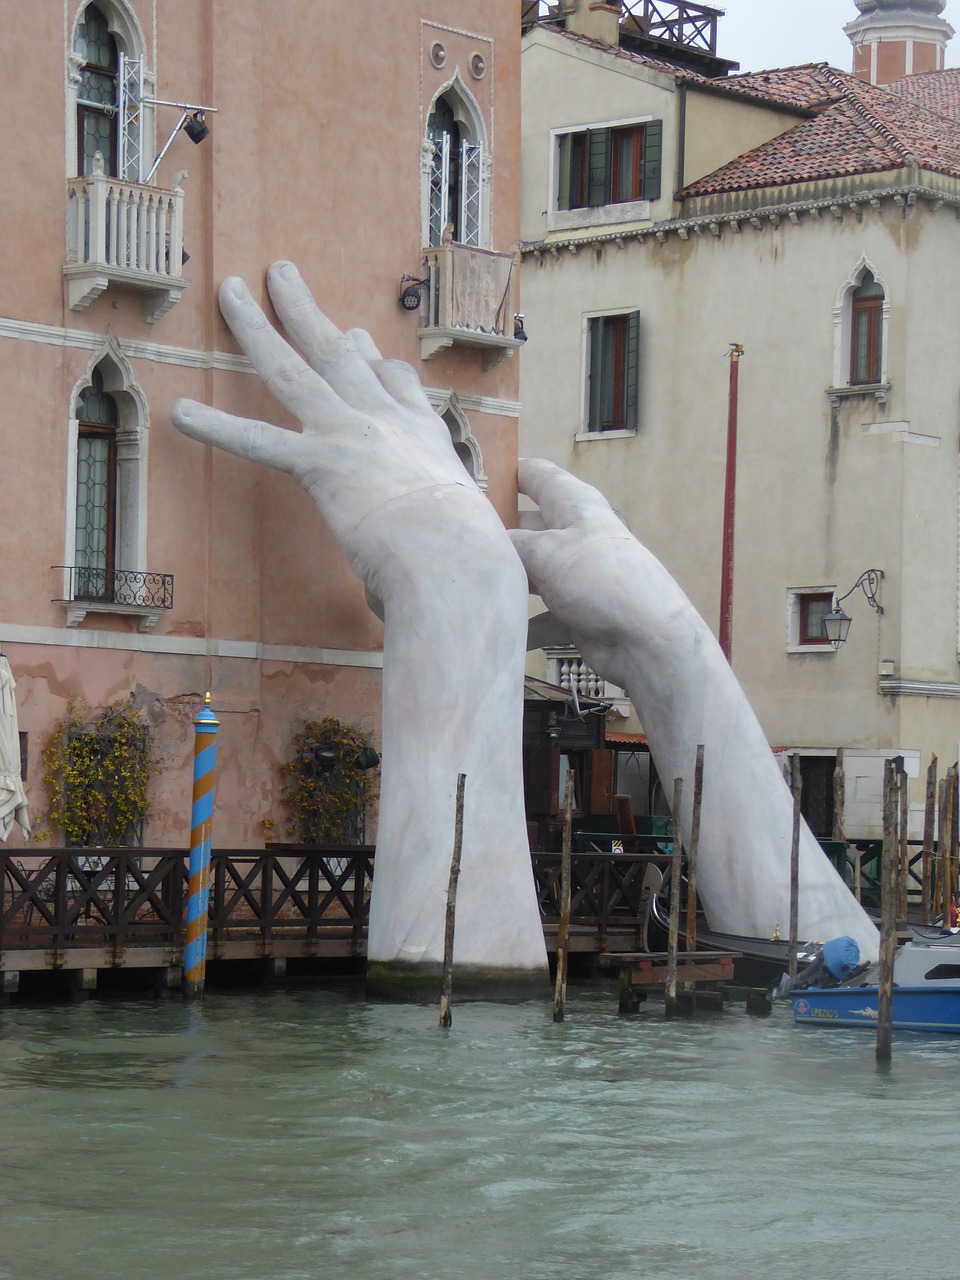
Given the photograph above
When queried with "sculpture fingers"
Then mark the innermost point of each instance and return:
(542, 553)
(398, 378)
(287, 375)
(564, 501)
(246, 437)
(332, 354)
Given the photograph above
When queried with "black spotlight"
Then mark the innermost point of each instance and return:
(195, 128)
(519, 333)
(368, 759)
(324, 758)
(410, 292)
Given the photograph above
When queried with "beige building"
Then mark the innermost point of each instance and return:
(672, 209)
(155, 147)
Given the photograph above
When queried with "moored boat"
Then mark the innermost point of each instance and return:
(926, 989)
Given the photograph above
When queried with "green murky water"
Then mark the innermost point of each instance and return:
(304, 1134)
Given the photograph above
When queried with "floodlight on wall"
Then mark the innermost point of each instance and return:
(836, 623)
(192, 121)
(519, 333)
(410, 295)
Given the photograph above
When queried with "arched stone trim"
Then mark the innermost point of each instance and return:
(842, 330)
(467, 113)
(464, 441)
(125, 28)
(133, 421)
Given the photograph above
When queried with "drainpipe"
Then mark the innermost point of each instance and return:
(729, 505)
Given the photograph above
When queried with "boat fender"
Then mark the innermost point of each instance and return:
(840, 957)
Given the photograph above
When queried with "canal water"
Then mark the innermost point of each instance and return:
(303, 1133)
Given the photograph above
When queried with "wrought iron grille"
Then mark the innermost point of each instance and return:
(120, 586)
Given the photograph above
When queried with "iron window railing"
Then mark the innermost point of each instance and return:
(131, 587)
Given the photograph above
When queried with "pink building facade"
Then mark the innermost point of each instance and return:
(366, 142)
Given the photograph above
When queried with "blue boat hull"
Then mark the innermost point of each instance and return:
(929, 1008)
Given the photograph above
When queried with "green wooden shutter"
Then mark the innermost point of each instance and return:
(594, 403)
(652, 157)
(598, 149)
(631, 379)
(563, 170)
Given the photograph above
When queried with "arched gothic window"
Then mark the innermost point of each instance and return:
(96, 507)
(97, 93)
(109, 92)
(866, 331)
(456, 178)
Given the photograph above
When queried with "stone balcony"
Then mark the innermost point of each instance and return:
(468, 300)
(124, 233)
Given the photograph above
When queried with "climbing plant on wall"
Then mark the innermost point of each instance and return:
(329, 783)
(97, 772)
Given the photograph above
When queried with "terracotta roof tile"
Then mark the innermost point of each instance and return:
(865, 129)
(936, 90)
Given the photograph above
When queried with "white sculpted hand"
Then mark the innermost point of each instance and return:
(439, 568)
(634, 626)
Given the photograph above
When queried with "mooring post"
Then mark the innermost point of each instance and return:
(943, 849)
(903, 823)
(201, 821)
(926, 858)
(794, 945)
(450, 922)
(839, 798)
(673, 934)
(563, 930)
(888, 911)
(691, 942)
(952, 844)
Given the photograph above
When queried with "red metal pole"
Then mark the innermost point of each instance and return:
(729, 506)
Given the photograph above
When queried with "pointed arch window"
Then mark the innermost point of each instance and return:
(866, 331)
(96, 510)
(456, 179)
(97, 93)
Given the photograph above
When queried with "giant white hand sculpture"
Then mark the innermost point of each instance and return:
(635, 626)
(439, 569)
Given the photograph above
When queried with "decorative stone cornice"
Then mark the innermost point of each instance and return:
(768, 215)
(896, 687)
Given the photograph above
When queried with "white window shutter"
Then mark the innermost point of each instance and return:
(471, 191)
(130, 125)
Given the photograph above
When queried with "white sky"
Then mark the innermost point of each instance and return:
(760, 34)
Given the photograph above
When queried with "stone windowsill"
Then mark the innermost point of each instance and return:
(77, 610)
(582, 437)
(879, 391)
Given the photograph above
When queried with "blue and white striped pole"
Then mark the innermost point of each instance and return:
(204, 755)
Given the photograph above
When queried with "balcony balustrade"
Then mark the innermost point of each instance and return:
(126, 233)
(468, 299)
(122, 591)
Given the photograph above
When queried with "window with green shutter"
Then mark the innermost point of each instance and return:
(613, 372)
(609, 166)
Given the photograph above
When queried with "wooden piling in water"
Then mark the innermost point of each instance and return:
(943, 849)
(450, 922)
(794, 944)
(839, 798)
(903, 822)
(888, 911)
(691, 942)
(926, 857)
(952, 861)
(563, 930)
(673, 934)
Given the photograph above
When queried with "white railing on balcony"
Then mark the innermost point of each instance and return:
(468, 298)
(124, 232)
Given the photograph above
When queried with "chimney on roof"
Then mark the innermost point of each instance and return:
(895, 38)
(594, 18)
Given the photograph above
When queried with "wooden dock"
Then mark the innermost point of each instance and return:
(701, 976)
(89, 913)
